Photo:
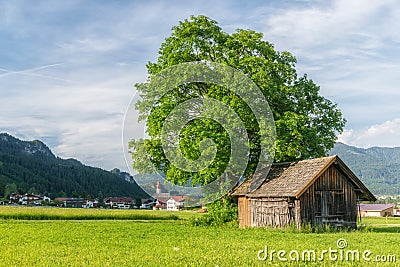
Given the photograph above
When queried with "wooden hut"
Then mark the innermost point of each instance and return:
(316, 191)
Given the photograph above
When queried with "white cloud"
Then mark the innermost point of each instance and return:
(90, 44)
(386, 134)
(326, 24)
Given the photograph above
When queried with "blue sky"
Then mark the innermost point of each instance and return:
(67, 68)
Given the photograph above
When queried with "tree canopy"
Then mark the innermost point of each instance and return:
(306, 122)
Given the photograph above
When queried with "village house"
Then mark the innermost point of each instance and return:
(148, 203)
(14, 198)
(70, 202)
(90, 203)
(161, 203)
(176, 203)
(28, 199)
(396, 211)
(376, 210)
(315, 191)
(119, 202)
(160, 198)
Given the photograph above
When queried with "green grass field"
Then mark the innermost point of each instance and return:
(39, 213)
(156, 238)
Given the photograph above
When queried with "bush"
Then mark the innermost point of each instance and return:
(221, 211)
(46, 203)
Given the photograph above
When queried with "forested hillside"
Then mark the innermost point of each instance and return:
(377, 167)
(30, 166)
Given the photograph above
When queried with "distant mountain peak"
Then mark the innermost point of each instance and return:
(124, 175)
(37, 146)
(29, 147)
(6, 137)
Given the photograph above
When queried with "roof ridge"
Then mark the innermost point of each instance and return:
(301, 160)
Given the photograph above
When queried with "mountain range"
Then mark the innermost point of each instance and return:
(377, 167)
(32, 166)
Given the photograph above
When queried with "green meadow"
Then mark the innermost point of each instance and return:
(79, 237)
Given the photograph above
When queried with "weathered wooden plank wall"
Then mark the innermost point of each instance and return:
(331, 199)
(244, 211)
(270, 212)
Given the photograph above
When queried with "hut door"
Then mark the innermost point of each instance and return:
(326, 204)
(323, 206)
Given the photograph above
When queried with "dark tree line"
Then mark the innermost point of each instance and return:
(32, 167)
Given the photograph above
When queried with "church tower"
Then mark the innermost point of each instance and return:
(158, 187)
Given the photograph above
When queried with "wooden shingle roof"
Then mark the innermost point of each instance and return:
(293, 179)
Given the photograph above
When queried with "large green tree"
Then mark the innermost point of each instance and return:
(9, 189)
(306, 122)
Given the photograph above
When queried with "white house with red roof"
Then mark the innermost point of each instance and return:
(166, 201)
(176, 202)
